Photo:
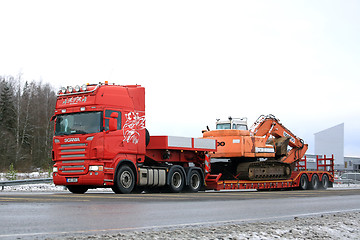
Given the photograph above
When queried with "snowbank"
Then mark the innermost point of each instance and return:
(330, 226)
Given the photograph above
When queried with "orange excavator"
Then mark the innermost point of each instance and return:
(266, 151)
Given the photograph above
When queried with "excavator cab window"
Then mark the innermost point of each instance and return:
(223, 126)
(240, 127)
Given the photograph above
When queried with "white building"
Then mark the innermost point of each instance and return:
(331, 141)
(352, 164)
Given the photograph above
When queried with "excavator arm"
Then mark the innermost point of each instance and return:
(269, 125)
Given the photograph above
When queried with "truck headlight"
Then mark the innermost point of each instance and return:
(55, 169)
(96, 168)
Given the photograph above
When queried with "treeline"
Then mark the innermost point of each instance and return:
(25, 128)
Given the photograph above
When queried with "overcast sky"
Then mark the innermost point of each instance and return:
(199, 60)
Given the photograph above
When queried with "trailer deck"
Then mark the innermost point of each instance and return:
(325, 169)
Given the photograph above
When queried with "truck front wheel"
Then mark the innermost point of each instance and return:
(124, 180)
(77, 189)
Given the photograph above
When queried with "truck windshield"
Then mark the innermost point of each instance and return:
(223, 126)
(78, 123)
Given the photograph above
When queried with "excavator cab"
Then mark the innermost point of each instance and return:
(232, 123)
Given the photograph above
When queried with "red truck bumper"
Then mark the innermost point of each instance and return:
(89, 179)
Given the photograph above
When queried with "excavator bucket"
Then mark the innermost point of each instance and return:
(281, 145)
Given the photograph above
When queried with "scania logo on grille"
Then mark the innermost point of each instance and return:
(72, 140)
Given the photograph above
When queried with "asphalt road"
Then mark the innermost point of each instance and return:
(47, 215)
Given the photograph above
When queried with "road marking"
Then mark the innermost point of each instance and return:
(132, 197)
(235, 221)
(30, 199)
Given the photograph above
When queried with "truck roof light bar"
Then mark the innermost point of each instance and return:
(69, 90)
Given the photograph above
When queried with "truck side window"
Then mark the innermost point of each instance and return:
(107, 117)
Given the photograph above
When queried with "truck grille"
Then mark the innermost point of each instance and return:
(75, 166)
(72, 150)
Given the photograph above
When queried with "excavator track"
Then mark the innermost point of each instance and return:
(265, 170)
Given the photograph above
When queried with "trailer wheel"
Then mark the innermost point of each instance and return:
(314, 183)
(195, 183)
(304, 182)
(124, 180)
(324, 181)
(77, 189)
(176, 180)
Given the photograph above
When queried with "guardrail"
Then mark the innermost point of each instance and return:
(25, 182)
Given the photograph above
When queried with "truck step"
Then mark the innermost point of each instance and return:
(213, 178)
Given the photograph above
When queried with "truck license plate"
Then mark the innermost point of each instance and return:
(71, 180)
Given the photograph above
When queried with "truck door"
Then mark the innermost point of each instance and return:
(113, 140)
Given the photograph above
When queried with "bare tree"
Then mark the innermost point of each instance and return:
(25, 127)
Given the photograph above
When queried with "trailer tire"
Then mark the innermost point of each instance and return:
(77, 189)
(124, 180)
(195, 181)
(315, 182)
(324, 181)
(176, 179)
(304, 182)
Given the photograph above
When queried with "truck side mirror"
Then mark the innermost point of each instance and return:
(113, 121)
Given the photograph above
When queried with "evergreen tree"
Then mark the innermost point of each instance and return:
(7, 109)
(7, 126)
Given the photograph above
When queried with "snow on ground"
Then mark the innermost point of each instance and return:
(32, 175)
(329, 226)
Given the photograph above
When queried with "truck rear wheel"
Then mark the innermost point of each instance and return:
(324, 181)
(124, 180)
(176, 180)
(77, 189)
(195, 183)
(304, 182)
(314, 183)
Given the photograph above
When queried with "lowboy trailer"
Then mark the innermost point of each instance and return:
(301, 178)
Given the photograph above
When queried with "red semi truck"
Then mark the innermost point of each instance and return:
(101, 141)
